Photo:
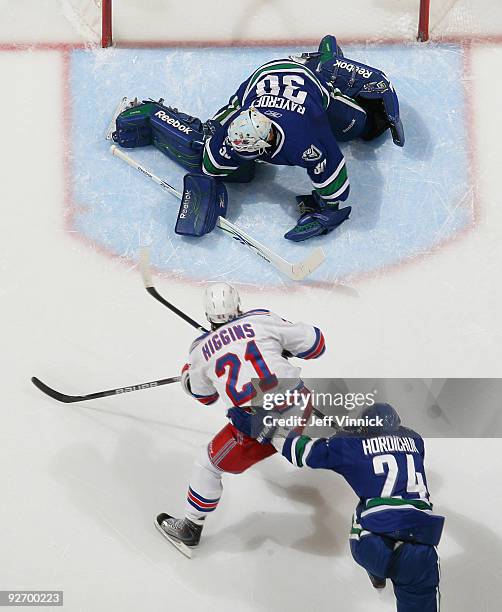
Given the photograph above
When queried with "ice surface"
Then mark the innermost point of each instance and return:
(80, 486)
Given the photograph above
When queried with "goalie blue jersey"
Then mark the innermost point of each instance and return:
(386, 473)
(295, 100)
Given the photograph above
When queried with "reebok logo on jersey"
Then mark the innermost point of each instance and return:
(312, 154)
(321, 167)
(174, 122)
(274, 114)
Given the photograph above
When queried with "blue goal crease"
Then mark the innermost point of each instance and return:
(405, 201)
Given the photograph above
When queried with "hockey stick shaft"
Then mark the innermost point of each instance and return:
(144, 266)
(296, 271)
(69, 399)
(148, 173)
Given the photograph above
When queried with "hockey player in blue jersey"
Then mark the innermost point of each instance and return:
(394, 530)
(291, 112)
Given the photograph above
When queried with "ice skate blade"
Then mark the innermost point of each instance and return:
(122, 105)
(183, 548)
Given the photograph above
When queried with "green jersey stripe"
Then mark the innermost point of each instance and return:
(210, 168)
(300, 445)
(232, 108)
(420, 504)
(334, 185)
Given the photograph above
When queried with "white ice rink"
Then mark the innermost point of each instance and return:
(81, 484)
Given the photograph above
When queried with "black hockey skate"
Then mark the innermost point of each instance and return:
(182, 533)
(378, 583)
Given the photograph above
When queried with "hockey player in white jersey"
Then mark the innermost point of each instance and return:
(242, 346)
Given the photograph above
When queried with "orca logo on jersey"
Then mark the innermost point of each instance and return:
(174, 122)
(312, 154)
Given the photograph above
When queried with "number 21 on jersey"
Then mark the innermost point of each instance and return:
(231, 364)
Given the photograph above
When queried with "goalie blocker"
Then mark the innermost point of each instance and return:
(204, 200)
(177, 135)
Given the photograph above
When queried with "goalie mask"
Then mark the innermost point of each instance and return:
(249, 132)
(222, 303)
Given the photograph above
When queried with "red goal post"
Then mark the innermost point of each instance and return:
(106, 23)
(107, 18)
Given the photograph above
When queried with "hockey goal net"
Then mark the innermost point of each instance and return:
(130, 22)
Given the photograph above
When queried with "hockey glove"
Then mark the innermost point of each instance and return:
(204, 200)
(318, 218)
(185, 379)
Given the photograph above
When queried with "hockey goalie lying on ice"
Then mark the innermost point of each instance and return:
(289, 112)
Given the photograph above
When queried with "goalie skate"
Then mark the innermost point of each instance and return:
(182, 533)
(122, 105)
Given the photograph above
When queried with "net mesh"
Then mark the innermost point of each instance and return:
(85, 18)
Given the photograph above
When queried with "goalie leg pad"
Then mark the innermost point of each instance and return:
(347, 119)
(132, 126)
(360, 81)
(179, 136)
(204, 200)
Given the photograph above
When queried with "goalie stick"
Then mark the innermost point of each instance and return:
(149, 286)
(294, 271)
(69, 399)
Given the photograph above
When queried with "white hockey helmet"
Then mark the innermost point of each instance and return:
(222, 303)
(249, 132)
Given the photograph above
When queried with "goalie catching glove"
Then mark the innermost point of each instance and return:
(318, 217)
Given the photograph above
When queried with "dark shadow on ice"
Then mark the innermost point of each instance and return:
(419, 143)
(321, 530)
(476, 558)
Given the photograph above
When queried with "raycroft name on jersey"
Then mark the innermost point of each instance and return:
(276, 102)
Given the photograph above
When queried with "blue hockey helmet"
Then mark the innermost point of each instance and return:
(387, 418)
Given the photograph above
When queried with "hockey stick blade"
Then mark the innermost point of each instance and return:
(304, 268)
(144, 268)
(70, 399)
(294, 271)
(146, 275)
